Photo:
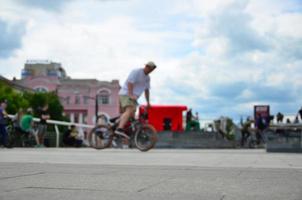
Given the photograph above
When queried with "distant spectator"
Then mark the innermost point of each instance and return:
(196, 116)
(280, 117)
(261, 125)
(71, 137)
(296, 120)
(288, 121)
(27, 123)
(300, 113)
(42, 127)
(189, 116)
(271, 119)
(3, 123)
(191, 124)
(245, 131)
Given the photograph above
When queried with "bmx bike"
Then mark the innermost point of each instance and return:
(139, 134)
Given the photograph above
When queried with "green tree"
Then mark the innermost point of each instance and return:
(38, 100)
(15, 100)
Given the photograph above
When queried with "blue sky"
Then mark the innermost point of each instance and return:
(217, 57)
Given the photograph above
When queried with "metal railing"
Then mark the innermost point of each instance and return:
(59, 123)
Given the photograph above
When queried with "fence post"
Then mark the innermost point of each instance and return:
(58, 136)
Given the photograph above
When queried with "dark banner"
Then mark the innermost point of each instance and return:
(262, 116)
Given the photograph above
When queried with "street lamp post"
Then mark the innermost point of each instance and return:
(96, 105)
(96, 108)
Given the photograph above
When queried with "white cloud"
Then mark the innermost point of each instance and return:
(202, 48)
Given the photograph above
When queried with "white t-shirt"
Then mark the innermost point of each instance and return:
(140, 82)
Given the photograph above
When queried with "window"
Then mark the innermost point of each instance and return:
(77, 100)
(52, 72)
(41, 89)
(65, 100)
(86, 100)
(104, 97)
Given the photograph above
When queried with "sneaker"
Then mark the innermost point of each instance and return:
(121, 132)
(114, 143)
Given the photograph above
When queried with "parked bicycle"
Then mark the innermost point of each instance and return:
(17, 137)
(139, 133)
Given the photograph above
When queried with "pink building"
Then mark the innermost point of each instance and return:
(78, 96)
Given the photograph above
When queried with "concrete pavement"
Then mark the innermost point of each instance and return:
(157, 174)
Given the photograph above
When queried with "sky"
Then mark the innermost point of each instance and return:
(218, 57)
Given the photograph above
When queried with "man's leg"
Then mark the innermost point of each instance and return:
(41, 134)
(129, 112)
(4, 135)
(242, 138)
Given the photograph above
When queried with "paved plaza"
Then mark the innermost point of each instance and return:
(30, 174)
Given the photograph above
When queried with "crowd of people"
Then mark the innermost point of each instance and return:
(23, 124)
(297, 120)
(260, 124)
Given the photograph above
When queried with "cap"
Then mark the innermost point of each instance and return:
(151, 64)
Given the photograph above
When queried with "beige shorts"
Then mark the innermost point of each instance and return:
(126, 101)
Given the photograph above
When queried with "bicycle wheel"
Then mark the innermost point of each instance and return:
(100, 137)
(145, 138)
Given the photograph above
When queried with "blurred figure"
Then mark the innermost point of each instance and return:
(42, 127)
(261, 126)
(27, 124)
(17, 119)
(3, 123)
(245, 131)
(300, 113)
(191, 122)
(72, 138)
(279, 117)
(296, 120)
(196, 116)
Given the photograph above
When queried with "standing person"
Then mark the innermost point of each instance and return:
(3, 121)
(137, 82)
(189, 116)
(17, 127)
(296, 120)
(42, 127)
(245, 131)
(196, 116)
(280, 117)
(260, 124)
(300, 113)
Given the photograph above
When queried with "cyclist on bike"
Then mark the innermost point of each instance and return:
(137, 82)
(27, 122)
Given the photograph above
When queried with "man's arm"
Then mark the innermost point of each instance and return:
(147, 95)
(130, 91)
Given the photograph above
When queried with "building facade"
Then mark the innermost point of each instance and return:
(78, 96)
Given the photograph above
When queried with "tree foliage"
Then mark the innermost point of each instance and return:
(36, 101)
